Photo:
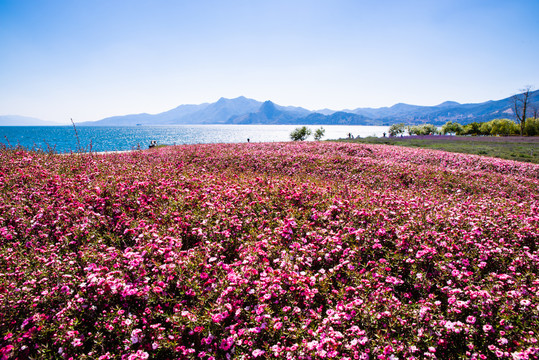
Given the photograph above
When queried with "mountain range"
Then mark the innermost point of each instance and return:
(16, 120)
(242, 110)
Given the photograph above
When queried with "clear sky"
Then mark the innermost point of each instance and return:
(87, 60)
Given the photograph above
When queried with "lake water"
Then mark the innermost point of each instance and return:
(63, 139)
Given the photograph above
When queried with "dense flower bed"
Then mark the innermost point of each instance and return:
(252, 251)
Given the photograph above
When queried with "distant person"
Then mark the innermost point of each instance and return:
(384, 134)
(248, 140)
(350, 135)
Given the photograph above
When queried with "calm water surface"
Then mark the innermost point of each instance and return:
(63, 139)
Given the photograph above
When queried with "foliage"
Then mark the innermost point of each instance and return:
(504, 127)
(319, 133)
(496, 127)
(452, 128)
(425, 129)
(276, 250)
(532, 127)
(473, 128)
(397, 129)
(485, 128)
(300, 133)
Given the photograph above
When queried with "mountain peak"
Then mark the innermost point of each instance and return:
(400, 105)
(448, 103)
(268, 108)
(268, 103)
(224, 99)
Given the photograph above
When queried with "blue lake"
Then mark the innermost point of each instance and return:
(63, 138)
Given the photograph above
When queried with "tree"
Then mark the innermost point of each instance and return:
(520, 104)
(452, 128)
(532, 123)
(425, 129)
(319, 133)
(503, 127)
(532, 126)
(473, 128)
(429, 129)
(414, 130)
(397, 129)
(300, 133)
(486, 128)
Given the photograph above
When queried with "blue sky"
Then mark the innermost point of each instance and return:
(86, 60)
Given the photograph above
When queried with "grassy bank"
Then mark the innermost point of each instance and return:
(509, 147)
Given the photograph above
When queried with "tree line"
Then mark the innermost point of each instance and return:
(496, 127)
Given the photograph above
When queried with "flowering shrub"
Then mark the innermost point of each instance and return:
(282, 250)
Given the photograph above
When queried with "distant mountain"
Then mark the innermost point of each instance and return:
(448, 103)
(269, 113)
(446, 111)
(396, 111)
(294, 109)
(125, 120)
(168, 117)
(180, 112)
(325, 111)
(215, 113)
(222, 110)
(16, 120)
(336, 118)
(242, 110)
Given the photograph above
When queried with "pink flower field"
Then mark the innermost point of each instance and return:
(275, 250)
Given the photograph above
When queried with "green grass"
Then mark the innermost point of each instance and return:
(513, 148)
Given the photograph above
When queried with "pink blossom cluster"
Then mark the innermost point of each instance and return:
(275, 250)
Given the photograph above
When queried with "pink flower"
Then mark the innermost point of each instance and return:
(258, 352)
(139, 355)
(226, 344)
(135, 337)
(199, 329)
